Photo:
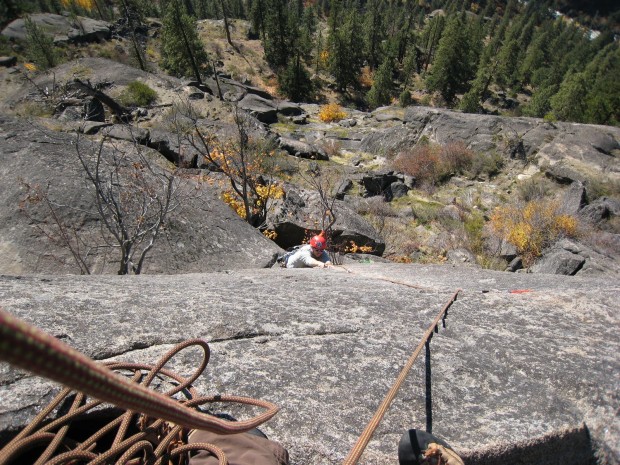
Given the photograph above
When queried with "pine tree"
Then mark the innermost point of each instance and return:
(451, 69)
(565, 57)
(430, 38)
(536, 57)
(374, 32)
(294, 79)
(381, 91)
(486, 69)
(603, 99)
(257, 15)
(39, 46)
(569, 103)
(277, 33)
(182, 51)
(345, 53)
(410, 64)
(540, 104)
(507, 64)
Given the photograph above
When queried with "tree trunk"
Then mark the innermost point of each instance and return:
(116, 107)
(226, 27)
(188, 47)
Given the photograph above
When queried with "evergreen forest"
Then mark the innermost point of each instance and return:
(556, 60)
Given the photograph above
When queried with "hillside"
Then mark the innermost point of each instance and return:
(108, 169)
(441, 218)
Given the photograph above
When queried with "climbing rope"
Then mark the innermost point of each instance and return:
(364, 438)
(160, 416)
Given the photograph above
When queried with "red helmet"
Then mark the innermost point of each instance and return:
(318, 242)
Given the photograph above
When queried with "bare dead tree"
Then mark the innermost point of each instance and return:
(243, 159)
(119, 110)
(133, 197)
(56, 228)
(326, 187)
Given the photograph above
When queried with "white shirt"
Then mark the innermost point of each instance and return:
(303, 258)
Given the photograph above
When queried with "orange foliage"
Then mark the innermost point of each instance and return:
(331, 112)
(354, 248)
(532, 227)
(366, 78)
(84, 4)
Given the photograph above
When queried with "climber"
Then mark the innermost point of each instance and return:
(310, 255)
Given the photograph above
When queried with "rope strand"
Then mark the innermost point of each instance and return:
(364, 438)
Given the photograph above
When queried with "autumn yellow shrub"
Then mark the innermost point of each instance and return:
(366, 78)
(270, 234)
(352, 247)
(262, 195)
(533, 226)
(85, 4)
(331, 112)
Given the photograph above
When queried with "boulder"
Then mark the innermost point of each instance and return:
(128, 133)
(345, 187)
(574, 198)
(302, 149)
(559, 262)
(299, 215)
(600, 210)
(563, 173)
(570, 257)
(61, 28)
(496, 246)
(461, 256)
(289, 109)
(203, 233)
(262, 109)
(565, 151)
(514, 265)
(7, 62)
(377, 183)
(390, 113)
(397, 190)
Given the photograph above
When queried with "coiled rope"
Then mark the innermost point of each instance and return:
(162, 417)
(29, 348)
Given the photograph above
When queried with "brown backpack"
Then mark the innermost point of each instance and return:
(239, 449)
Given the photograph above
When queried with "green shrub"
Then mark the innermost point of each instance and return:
(5, 46)
(486, 164)
(597, 188)
(535, 188)
(137, 94)
(404, 99)
(426, 213)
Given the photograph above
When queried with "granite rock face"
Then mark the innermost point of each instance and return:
(203, 233)
(526, 370)
(61, 28)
